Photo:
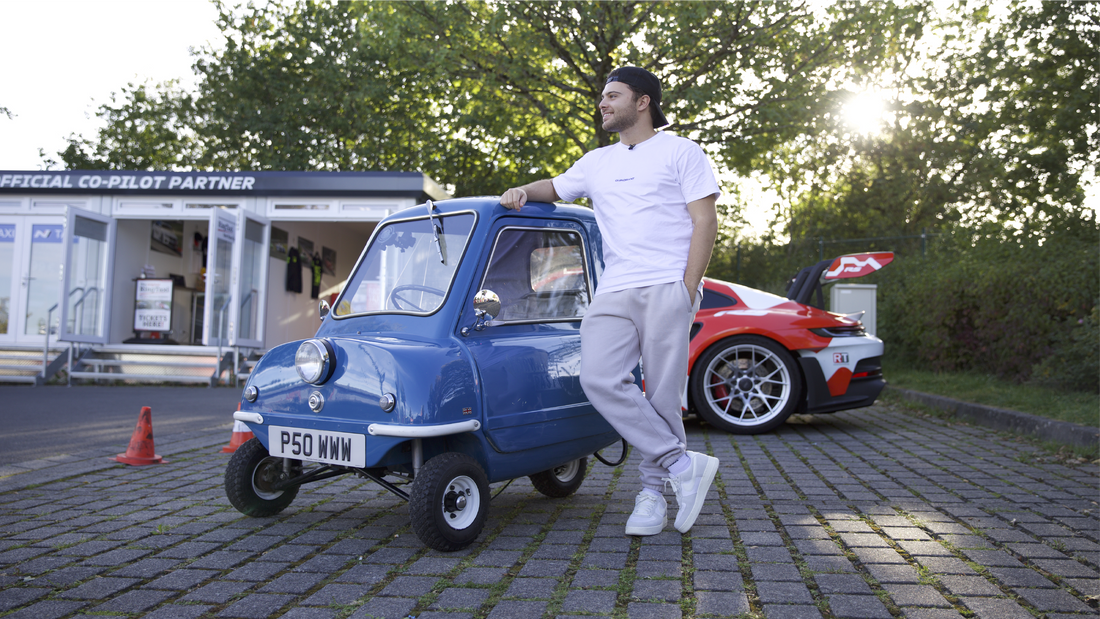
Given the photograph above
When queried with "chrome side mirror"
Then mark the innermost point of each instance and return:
(487, 304)
(486, 308)
(323, 308)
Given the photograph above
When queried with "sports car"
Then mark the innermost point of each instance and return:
(757, 358)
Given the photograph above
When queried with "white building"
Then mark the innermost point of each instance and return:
(159, 274)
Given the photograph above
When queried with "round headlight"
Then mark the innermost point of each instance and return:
(314, 361)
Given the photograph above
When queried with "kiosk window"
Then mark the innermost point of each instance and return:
(301, 207)
(210, 205)
(146, 205)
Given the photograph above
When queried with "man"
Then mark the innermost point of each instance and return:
(654, 195)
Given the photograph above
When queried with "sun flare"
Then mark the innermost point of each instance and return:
(865, 113)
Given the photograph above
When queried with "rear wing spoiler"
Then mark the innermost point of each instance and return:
(807, 284)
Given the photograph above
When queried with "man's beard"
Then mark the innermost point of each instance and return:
(621, 120)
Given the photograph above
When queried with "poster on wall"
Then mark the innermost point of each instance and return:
(153, 307)
(328, 261)
(280, 242)
(305, 247)
(167, 237)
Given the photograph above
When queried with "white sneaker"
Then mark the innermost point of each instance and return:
(691, 488)
(649, 515)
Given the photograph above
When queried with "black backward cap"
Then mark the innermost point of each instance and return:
(646, 83)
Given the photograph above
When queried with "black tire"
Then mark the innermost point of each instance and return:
(561, 481)
(249, 475)
(449, 502)
(746, 384)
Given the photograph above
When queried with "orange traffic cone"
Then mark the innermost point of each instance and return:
(140, 451)
(241, 435)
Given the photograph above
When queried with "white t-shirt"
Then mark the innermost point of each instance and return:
(640, 197)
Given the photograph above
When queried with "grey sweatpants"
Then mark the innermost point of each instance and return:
(654, 323)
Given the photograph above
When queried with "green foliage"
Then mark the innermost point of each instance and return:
(310, 86)
(989, 119)
(767, 265)
(481, 95)
(994, 122)
(764, 266)
(1040, 73)
(990, 302)
(147, 128)
(1075, 363)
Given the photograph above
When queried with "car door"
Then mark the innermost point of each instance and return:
(529, 356)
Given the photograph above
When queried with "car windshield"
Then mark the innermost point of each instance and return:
(408, 267)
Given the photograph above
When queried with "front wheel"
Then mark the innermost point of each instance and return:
(449, 502)
(561, 481)
(746, 384)
(249, 478)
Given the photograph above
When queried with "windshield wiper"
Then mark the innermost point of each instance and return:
(440, 244)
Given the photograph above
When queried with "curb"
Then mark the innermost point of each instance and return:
(1064, 432)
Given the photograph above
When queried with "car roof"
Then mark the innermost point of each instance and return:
(489, 207)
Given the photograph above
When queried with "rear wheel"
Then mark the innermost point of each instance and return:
(561, 481)
(746, 384)
(449, 502)
(249, 478)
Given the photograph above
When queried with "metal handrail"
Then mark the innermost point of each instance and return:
(247, 300)
(221, 332)
(80, 304)
(247, 297)
(46, 342)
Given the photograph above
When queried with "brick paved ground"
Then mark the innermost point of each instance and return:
(870, 514)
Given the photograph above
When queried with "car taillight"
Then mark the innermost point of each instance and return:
(855, 330)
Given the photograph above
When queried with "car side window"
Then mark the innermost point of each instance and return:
(539, 274)
(715, 300)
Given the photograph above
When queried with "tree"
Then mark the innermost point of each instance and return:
(486, 95)
(740, 77)
(314, 87)
(148, 127)
(1039, 70)
(998, 122)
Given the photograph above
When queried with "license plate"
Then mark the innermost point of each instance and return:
(318, 446)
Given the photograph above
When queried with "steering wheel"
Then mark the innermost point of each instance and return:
(400, 302)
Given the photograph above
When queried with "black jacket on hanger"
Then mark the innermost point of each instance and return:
(293, 271)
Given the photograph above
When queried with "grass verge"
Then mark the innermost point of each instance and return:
(1073, 406)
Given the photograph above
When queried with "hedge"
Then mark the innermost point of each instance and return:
(1017, 308)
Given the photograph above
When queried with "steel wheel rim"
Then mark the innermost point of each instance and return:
(747, 385)
(566, 472)
(461, 502)
(266, 472)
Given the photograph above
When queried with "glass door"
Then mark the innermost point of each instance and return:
(11, 277)
(32, 261)
(89, 243)
(217, 327)
(250, 271)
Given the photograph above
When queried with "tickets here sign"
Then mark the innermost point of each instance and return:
(153, 308)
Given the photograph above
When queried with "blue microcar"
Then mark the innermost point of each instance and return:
(449, 361)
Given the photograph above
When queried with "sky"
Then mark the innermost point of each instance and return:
(63, 59)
